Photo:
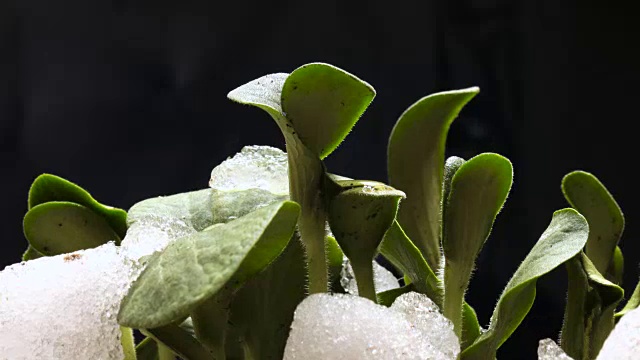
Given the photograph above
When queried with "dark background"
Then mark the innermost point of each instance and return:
(128, 99)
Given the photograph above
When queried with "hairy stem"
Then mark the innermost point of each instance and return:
(456, 281)
(305, 177)
(363, 271)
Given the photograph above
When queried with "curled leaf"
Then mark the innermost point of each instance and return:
(589, 313)
(47, 187)
(323, 103)
(416, 162)
(359, 216)
(264, 93)
(586, 194)
(479, 189)
(58, 227)
(562, 240)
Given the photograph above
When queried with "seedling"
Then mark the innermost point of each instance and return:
(218, 273)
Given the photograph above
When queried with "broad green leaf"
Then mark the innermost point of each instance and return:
(589, 313)
(179, 341)
(386, 298)
(405, 256)
(479, 189)
(31, 254)
(262, 310)
(58, 227)
(192, 269)
(359, 217)
(202, 208)
(586, 194)
(231, 205)
(416, 162)
(194, 209)
(632, 303)
(562, 240)
(47, 187)
(615, 272)
(147, 349)
(323, 103)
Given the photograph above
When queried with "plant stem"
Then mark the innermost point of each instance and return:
(305, 176)
(455, 284)
(312, 235)
(128, 343)
(363, 271)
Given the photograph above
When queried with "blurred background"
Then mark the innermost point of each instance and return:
(128, 99)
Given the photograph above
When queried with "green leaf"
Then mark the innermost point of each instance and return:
(195, 209)
(262, 311)
(194, 268)
(264, 93)
(479, 189)
(323, 103)
(47, 187)
(586, 194)
(58, 227)
(359, 217)
(405, 256)
(632, 303)
(591, 302)
(416, 162)
(471, 328)
(202, 208)
(562, 240)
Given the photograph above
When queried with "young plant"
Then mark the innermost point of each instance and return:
(315, 107)
(595, 275)
(219, 273)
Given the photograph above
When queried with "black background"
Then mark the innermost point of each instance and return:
(128, 99)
